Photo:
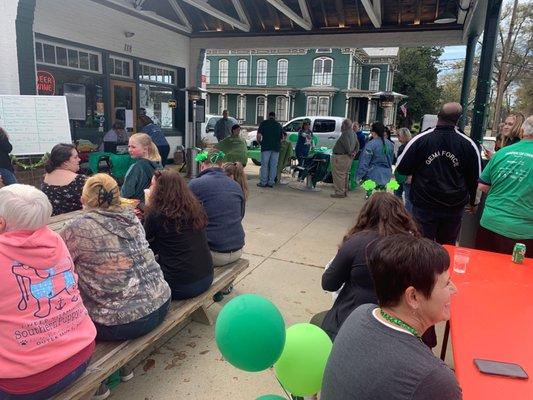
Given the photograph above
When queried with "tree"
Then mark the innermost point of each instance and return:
(524, 94)
(450, 83)
(416, 77)
(513, 56)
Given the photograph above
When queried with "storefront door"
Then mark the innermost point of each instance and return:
(123, 101)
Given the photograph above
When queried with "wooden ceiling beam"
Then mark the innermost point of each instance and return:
(304, 21)
(373, 9)
(202, 5)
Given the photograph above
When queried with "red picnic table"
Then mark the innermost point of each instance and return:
(492, 319)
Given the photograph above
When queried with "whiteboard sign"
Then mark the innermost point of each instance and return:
(35, 124)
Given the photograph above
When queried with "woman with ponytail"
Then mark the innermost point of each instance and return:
(377, 157)
(62, 184)
(139, 175)
(224, 202)
(121, 284)
(235, 171)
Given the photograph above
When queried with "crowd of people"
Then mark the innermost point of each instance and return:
(390, 270)
(112, 271)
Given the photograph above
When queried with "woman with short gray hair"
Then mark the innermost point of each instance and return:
(343, 153)
(39, 289)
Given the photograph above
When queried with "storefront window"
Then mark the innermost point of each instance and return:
(154, 99)
(93, 85)
(67, 56)
(156, 73)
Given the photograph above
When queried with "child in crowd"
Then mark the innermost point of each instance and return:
(46, 336)
(139, 175)
(235, 171)
(285, 155)
(175, 225)
(224, 203)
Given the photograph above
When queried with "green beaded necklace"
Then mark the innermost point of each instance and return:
(398, 322)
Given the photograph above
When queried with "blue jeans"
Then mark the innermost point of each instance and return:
(132, 329)
(51, 390)
(8, 177)
(405, 188)
(269, 167)
(181, 292)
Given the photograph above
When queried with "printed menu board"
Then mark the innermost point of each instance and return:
(35, 124)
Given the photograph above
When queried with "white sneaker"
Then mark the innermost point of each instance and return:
(102, 393)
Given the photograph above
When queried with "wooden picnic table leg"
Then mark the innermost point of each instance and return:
(445, 341)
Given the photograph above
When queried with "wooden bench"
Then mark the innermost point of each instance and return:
(110, 356)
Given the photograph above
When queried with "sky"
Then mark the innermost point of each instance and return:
(453, 53)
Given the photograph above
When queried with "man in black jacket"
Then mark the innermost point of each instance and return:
(445, 165)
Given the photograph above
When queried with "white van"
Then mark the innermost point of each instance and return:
(208, 127)
(326, 129)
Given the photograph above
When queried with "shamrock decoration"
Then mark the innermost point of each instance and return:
(202, 156)
(369, 185)
(393, 184)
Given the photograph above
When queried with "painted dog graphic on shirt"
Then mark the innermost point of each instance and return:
(44, 285)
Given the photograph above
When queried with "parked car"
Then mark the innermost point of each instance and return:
(326, 129)
(428, 121)
(208, 128)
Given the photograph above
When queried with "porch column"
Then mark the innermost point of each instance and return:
(346, 107)
(288, 108)
(368, 111)
(467, 77)
(265, 116)
(479, 119)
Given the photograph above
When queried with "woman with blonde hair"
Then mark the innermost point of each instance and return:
(235, 171)
(120, 282)
(139, 175)
(512, 129)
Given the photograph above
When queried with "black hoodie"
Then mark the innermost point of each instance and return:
(445, 165)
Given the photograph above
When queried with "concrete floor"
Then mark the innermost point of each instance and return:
(290, 236)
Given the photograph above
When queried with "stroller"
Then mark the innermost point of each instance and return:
(314, 170)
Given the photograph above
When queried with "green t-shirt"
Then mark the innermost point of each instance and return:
(271, 131)
(509, 205)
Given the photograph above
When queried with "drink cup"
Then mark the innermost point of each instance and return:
(461, 257)
(146, 195)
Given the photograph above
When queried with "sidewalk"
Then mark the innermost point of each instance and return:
(290, 236)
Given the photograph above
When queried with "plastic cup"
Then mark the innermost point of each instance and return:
(461, 257)
(146, 195)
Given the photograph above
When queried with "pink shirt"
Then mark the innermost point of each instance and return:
(42, 317)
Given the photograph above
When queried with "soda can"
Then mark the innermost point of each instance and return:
(519, 253)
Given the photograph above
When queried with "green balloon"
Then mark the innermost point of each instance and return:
(271, 397)
(301, 366)
(250, 332)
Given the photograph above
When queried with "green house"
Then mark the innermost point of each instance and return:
(297, 82)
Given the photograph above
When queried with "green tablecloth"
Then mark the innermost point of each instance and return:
(119, 163)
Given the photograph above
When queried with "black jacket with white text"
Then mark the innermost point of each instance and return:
(445, 165)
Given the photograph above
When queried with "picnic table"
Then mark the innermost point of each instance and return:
(491, 318)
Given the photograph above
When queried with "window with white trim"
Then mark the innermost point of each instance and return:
(262, 67)
(322, 71)
(222, 103)
(260, 109)
(323, 50)
(223, 72)
(373, 111)
(156, 73)
(241, 108)
(356, 76)
(283, 72)
(312, 105)
(207, 71)
(281, 108)
(323, 105)
(374, 79)
(67, 56)
(120, 67)
(242, 72)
